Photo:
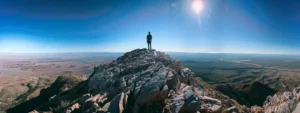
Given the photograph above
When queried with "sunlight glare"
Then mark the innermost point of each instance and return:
(197, 6)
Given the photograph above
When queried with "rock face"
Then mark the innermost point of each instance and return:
(288, 102)
(141, 81)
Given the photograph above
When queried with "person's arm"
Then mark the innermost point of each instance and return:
(147, 38)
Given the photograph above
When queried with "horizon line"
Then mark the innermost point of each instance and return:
(156, 50)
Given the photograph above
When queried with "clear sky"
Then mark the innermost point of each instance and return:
(226, 26)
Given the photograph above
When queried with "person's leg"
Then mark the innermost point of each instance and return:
(150, 46)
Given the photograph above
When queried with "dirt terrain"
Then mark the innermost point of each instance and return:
(22, 76)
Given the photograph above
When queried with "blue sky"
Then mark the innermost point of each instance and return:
(223, 26)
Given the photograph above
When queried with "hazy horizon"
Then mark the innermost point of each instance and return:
(176, 52)
(204, 26)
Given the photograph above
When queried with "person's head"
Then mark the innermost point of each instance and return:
(149, 32)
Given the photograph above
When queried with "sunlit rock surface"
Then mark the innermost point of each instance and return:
(141, 81)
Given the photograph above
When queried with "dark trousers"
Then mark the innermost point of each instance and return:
(149, 45)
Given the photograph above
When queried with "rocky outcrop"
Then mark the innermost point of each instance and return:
(49, 95)
(141, 81)
(286, 103)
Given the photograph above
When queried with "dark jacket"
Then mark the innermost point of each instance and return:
(149, 38)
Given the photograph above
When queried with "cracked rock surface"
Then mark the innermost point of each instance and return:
(141, 81)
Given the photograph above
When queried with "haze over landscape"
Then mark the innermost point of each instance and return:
(91, 56)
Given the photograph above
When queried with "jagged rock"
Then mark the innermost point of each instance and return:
(192, 102)
(210, 105)
(255, 109)
(145, 81)
(73, 107)
(173, 81)
(105, 107)
(92, 101)
(284, 107)
(187, 101)
(286, 96)
(174, 102)
(232, 109)
(285, 103)
(47, 98)
(123, 83)
(152, 88)
(185, 76)
(163, 93)
(117, 104)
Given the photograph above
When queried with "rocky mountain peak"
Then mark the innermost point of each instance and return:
(141, 81)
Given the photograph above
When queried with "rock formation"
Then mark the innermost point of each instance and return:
(140, 81)
(288, 102)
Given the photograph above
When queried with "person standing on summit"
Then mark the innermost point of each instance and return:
(149, 40)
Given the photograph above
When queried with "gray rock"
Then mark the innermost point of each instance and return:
(297, 109)
(92, 101)
(285, 103)
(117, 104)
(210, 105)
(176, 103)
(232, 109)
(163, 93)
(173, 81)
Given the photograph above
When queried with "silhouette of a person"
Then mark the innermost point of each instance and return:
(149, 40)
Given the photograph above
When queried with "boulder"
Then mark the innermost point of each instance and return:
(191, 104)
(173, 81)
(152, 88)
(105, 107)
(174, 103)
(117, 104)
(163, 93)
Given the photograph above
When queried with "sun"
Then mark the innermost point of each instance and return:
(197, 6)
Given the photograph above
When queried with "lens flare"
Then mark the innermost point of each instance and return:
(197, 6)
